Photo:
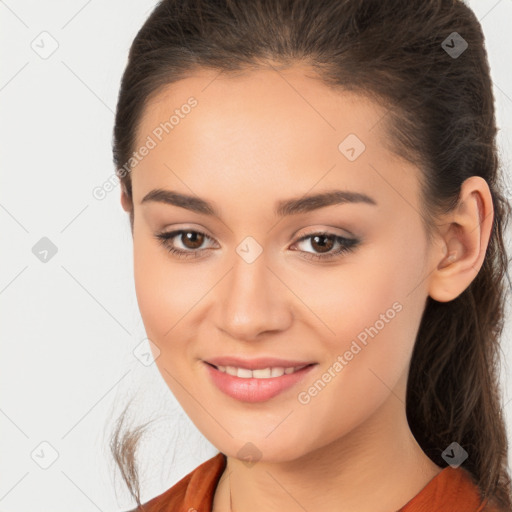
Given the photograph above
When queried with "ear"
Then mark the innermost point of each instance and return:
(465, 234)
(126, 202)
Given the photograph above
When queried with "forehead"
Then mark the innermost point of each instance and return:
(277, 127)
(267, 96)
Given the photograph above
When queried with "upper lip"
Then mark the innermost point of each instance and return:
(256, 363)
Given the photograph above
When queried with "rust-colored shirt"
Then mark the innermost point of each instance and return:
(451, 490)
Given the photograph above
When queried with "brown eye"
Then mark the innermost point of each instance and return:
(191, 242)
(323, 243)
(318, 242)
(192, 239)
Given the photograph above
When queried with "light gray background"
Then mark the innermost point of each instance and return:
(69, 325)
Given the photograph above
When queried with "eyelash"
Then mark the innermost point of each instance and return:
(347, 244)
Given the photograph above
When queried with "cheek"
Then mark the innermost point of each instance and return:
(373, 319)
(367, 290)
(165, 295)
(164, 292)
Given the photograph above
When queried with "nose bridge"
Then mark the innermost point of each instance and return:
(252, 298)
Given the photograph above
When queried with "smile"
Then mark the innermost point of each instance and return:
(264, 373)
(256, 385)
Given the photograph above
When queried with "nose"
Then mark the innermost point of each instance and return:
(253, 301)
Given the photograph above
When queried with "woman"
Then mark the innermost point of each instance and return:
(317, 217)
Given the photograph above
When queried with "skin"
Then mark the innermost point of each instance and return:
(252, 140)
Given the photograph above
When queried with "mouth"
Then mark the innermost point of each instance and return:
(259, 373)
(256, 385)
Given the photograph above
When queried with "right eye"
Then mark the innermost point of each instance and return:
(192, 241)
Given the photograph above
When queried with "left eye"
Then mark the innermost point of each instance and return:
(192, 241)
(318, 239)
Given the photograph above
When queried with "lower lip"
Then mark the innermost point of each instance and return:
(255, 390)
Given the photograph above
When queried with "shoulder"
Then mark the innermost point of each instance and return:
(463, 491)
(451, 490)
(468, 486)
(194, 491)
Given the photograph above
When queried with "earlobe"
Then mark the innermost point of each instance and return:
(464, 242)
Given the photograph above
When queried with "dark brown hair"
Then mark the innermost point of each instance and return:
(440, 116)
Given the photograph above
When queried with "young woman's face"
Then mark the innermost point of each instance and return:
(256, 279)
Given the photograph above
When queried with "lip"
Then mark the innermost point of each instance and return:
(258, 363)
(253, 389)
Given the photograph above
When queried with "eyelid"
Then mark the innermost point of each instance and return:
(173, 233)
(331, 230)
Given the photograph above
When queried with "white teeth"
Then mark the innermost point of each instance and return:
(277, 371)
(231, 370)
(264, 373)
(244, 373)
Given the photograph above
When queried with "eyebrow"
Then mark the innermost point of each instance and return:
(283, 208)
